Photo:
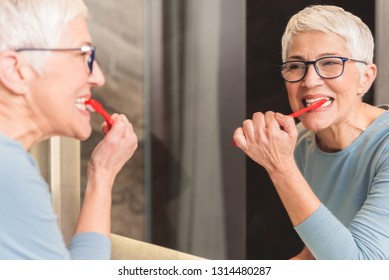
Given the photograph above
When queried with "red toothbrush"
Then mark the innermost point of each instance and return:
(94, 106)
(315, 105)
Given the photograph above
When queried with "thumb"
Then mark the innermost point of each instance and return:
(105, 127)
(287, 123)
(239, 140)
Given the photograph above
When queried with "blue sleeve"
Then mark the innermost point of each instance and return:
(29, 226)
(90, 246)
(367, 236)
(359, 187)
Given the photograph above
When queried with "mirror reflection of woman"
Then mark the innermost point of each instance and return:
(47, 71)
(332, 170)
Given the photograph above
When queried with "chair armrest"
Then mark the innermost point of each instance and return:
(124, 248)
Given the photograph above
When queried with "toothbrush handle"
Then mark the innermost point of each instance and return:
(107, 117)
(315, 105)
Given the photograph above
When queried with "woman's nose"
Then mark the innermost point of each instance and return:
(312, 78)
(97, 77)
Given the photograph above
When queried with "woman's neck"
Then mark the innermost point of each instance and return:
(338, 137)
(16, 124)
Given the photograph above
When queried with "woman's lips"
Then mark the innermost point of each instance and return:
(309, 101)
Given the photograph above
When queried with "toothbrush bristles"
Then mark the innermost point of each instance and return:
(90, 108)
(94, 106)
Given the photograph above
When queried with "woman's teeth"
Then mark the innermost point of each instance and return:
(307, 102)
(80, 103)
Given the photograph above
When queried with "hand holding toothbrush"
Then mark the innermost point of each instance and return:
(262, 139)
(122, 137)
(294, 115)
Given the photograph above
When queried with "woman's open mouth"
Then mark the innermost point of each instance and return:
(309, 101)
(80, 104)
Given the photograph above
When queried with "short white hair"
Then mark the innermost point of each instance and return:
(36, 23)
(332, 20)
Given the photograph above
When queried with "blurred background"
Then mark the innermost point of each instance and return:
(187, 73)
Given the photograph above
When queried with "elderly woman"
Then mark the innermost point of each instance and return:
(47, 71)
(332, 170)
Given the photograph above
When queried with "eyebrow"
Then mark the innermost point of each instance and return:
(86, 43)
(298, 57)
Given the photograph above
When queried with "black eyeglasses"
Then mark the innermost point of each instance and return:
(85, 49)
(329, 67)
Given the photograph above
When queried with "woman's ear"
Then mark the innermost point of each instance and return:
(367, 78)
(13, 70)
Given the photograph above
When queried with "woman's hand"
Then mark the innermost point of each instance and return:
(269, 139)
(117, 147)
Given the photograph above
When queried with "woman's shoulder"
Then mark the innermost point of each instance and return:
(13, 153)
(381, 122)
(384, 107)
(17, 165)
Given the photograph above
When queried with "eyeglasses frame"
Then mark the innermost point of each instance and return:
(85, 49)
(313, 62)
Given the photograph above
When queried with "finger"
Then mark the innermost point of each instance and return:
(129, 129)
(271, 122)
(259, 124)
(287, 123)
(248, 129)
(105, 127)
(239, 138)
(129, 137)
(124, 118)
(117, 130)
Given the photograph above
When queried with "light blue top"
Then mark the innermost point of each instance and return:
(353, 186)
(28, 225)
